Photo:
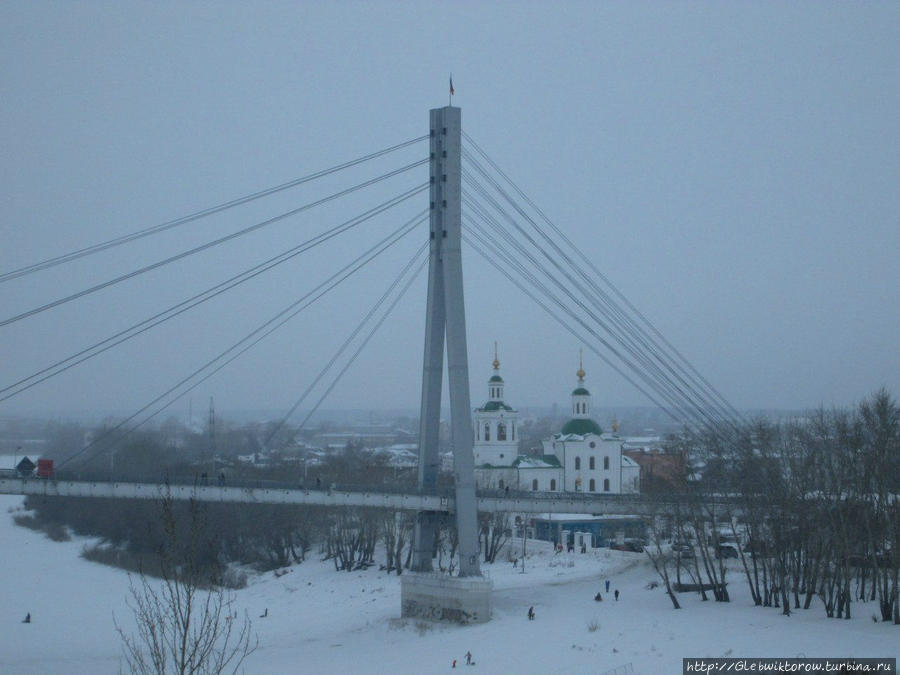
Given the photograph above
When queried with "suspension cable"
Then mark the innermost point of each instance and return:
(624, 335)
(567, 290)
(363, 344)
(207, 245)
(488, 242)
(628, 335)
(102, 246)
(675, 354)
(347, 343)
(254, 337)
(186, 305)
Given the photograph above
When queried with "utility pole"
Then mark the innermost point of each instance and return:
(212, 436)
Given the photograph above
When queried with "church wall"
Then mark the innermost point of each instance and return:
(577, 462)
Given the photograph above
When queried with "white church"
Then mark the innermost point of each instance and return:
(580, 458)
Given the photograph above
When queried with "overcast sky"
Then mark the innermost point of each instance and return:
(733, 167)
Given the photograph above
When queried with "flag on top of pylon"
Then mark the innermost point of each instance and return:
(451, 86)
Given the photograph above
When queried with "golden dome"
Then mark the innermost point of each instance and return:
(496, 361)
(580, 372)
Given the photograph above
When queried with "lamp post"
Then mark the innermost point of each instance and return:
(524, 538)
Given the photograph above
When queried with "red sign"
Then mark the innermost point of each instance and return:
(45, 468)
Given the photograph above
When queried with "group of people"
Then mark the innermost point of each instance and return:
(599, 596)
(469, 661)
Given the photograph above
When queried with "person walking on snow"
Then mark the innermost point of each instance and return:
(531, 613)
(468, 658)
(617, 595)
(607, 585)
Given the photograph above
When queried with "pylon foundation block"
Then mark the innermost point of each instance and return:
(437, 597)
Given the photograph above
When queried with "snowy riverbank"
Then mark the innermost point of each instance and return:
(321, 621)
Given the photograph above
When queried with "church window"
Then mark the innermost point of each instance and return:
(606, 463)
(500, 484)
(578, 463)
(591, 463)
(592, 486)
(534, 485)
(513, 430)
(487, 432)
(501, 432)
(593, 445)
(553, 485)
(606, 484)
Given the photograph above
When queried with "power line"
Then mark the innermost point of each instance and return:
(203, 247)
(168, 225)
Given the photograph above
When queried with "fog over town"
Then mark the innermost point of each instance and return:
(732, 171)
(235, 240)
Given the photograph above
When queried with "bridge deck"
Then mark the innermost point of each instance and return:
(516, 502)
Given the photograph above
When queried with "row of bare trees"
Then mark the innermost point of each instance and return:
(812, 506)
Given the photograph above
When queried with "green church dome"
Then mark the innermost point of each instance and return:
(496, 378)
(493, 406)
(581, 391)
(581, 427)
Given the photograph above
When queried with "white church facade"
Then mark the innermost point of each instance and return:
(580, 458)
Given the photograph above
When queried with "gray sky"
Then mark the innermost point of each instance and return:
(732, 167)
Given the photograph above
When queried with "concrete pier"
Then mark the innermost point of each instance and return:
(438, 597)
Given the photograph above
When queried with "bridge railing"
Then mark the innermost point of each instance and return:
(205, 480)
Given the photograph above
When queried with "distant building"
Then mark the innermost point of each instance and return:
(575, 529)
(580, 458)
(660, 471)
(495, 426)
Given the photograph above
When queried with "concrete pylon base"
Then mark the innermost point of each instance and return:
(437, 597)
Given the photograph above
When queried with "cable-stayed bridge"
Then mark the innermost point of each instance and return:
(471, 201)
(362, 496)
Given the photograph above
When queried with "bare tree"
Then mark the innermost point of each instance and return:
(185, 623)
(494, 529)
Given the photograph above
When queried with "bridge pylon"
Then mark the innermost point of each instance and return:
(466, 597)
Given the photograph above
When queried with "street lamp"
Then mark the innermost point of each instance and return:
(524, 538)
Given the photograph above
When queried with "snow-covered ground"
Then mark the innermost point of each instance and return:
(323, 621)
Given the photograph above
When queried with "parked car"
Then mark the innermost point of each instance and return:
(631, 545)
(683, 551)
(758, 548)
(727, 551)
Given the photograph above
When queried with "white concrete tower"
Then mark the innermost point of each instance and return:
(496, 425)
